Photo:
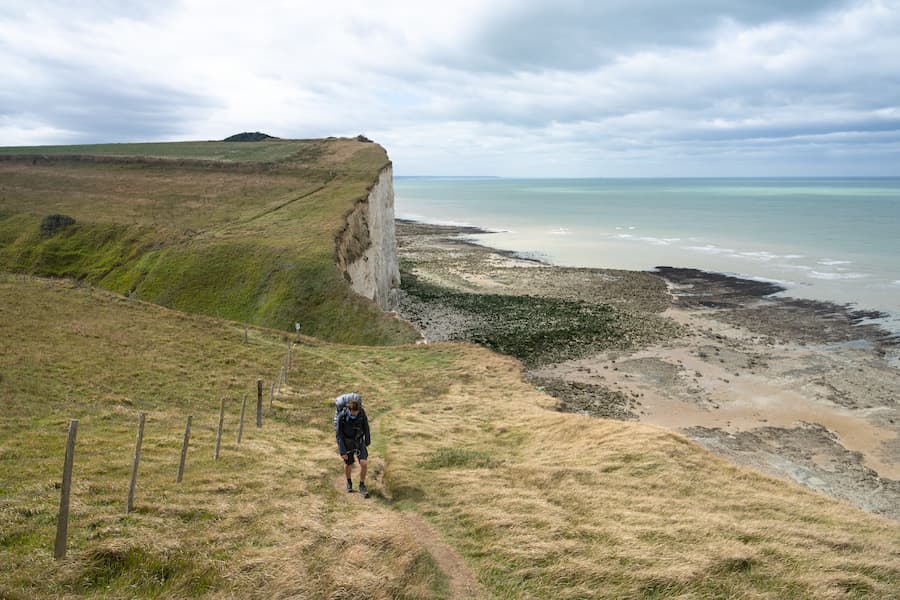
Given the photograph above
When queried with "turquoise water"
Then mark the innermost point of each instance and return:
(822, 238)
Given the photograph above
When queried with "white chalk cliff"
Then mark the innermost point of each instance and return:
(366, 247)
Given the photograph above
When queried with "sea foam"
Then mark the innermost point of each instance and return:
(829, 262)
(831, 276)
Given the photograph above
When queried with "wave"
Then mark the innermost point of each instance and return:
(434, 221)
(712, 249)
(758, 255)
(829, 262)
(793, 267)
(781, 282)
(831, 276)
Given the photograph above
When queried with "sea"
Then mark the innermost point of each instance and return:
(833, 239)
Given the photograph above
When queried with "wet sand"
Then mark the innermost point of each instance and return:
(803, 390)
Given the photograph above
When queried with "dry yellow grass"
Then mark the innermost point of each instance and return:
(567, 506)
(264, 521)
(541, 504)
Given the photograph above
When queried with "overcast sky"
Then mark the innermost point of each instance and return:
(532, 88)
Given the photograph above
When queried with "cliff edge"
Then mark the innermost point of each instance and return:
(366, 248)
(246, 232)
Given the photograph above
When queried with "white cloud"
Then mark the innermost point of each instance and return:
(511, 88)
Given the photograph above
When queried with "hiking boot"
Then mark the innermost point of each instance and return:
(349, 486)
(363, 490)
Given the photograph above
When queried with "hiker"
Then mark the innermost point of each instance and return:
(352, 434)
(340, 405)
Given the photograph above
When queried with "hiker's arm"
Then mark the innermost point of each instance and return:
(366, 429)
(340, 440)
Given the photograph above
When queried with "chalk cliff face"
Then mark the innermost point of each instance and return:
(367, 246)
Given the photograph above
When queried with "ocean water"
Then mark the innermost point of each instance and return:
(822, 238)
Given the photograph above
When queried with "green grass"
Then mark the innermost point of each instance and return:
(537, 329)
(256, 246)
(458, 458)
(268, 150)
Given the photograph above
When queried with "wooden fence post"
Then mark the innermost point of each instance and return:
(241, 426)
(290, 355)
(259, 402)
(137, 460)
(219, 432)
(184, 447)
(62, 520)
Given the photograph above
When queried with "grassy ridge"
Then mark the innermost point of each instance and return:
(254, 246)
(267, 150)
(542, 504)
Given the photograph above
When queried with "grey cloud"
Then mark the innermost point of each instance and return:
(141, 112)
(580, 34)
(787, 131)
(96, 106)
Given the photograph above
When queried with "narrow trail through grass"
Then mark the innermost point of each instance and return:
(537, 503)
(461, 580)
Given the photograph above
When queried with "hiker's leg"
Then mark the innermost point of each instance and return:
(348, 464)
(363, 465)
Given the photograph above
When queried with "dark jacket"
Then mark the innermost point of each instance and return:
(352, 433)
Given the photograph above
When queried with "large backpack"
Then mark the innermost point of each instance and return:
(340, 405)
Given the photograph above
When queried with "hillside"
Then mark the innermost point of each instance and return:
(241, 231)
(134, 299)
(539, 503)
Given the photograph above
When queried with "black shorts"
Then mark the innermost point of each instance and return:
(360, 450)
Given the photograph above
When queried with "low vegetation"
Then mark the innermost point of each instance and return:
(263, 150)
(244, 232)
(537, 329)
(540, 503)
(125, 287)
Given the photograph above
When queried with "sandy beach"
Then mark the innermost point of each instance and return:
(803, 390)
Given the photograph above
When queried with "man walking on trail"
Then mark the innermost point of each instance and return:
(353, 437)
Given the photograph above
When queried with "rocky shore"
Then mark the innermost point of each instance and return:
(804, 390)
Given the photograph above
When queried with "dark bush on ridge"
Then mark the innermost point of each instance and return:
(248, 136)
(53, 223)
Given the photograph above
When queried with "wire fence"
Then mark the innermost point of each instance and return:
(62, 522)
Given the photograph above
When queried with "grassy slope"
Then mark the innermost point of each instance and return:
(542, 504)
(248, 241)
(267, 150)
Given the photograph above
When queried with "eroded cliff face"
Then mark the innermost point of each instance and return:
(367, 246)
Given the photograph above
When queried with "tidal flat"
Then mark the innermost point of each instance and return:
(807, 391)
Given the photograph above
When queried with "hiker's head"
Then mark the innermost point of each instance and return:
(353, 407)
